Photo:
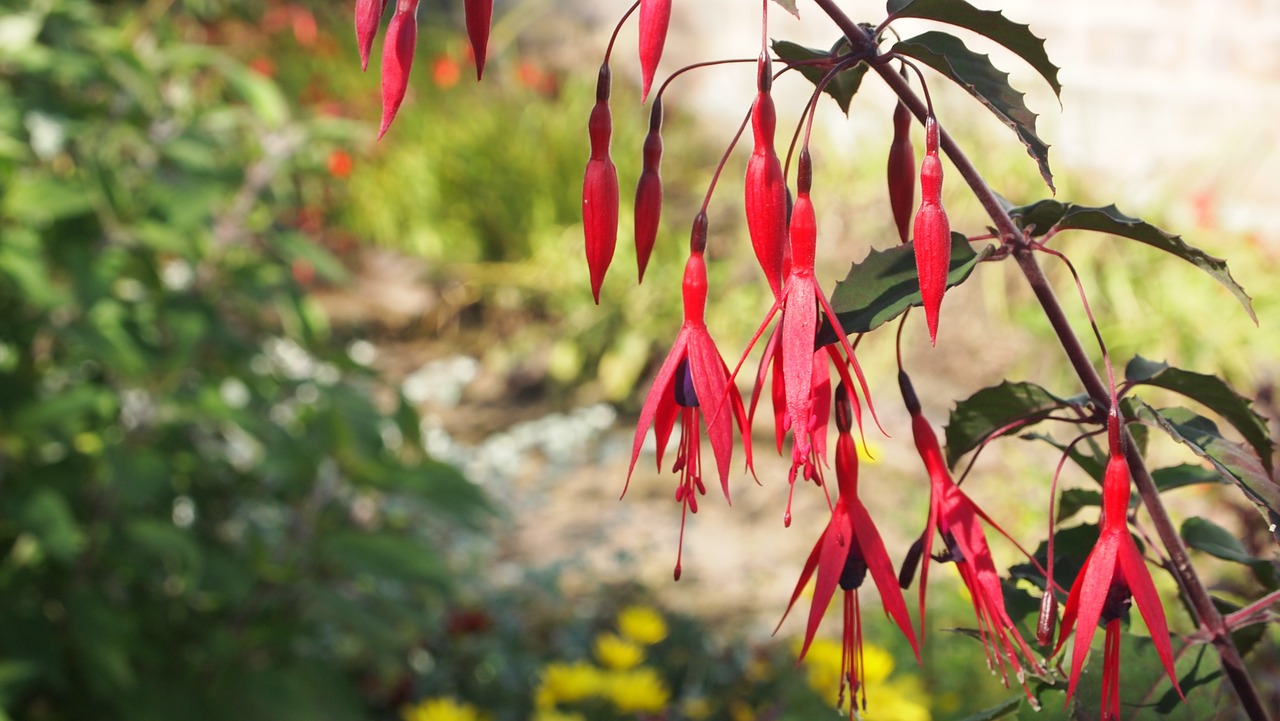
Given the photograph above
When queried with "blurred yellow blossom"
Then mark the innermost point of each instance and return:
(637, 690)
(896, 699)
(617, 652)
(554, 715)
(697, 708)
(440, 709)
(568, 682)
(740, 710)
(642, 624)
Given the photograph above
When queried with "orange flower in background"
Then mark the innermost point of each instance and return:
(340, 164)
(446, 72)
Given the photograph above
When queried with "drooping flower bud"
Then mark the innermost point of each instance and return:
(397, 59)
(902, 172)
(479, 17)
(766, 193)
(932, 232)
(600, 189)
(655, 17)
(649, 190)
(368, 17)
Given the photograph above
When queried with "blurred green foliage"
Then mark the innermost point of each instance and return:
(204, 512)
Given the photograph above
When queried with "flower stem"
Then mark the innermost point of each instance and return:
(1209, 617)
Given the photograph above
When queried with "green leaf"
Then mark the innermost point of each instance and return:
(1073, 500)
(842, 87)
(386, 556)
(1186, 474)
(1215, 394)
(1000, 710)
(1234, 462)
(789, 6)
(1048, 214)
(48, 515)
(1071, 546)
(1205, 535)
(1095, 464)
(884, 285)
(992, 409)
(1245, 637)
(1015, 36)
(974, 72)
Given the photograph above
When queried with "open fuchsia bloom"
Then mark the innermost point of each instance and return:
(799, 304)
(956, 518)
(655, 16)
(847, 550)
(600, 188)
(397, 59)
(1113, 577)
(692, 375)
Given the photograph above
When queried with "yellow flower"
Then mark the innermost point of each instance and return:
(638, 690)
(440, 709)
(697, 708)
(554, 715)
(568, 682)
(618, 653)
(888, 699)
(642, 624)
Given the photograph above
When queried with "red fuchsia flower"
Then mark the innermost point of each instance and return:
(766, 192)
(397, 59)
(600, 189)
(1113, 577)
(956, 518)
(799, 304)
(479, 16)
(649, 190)
(693, 374)
(368, 17)
(847, 550)
(902, 172)
(932, 232)
(655, 17)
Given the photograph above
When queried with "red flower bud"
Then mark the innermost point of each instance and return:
(932, 232)
(368, 17)
(766, 192)
(655, 16)
(902, 171)
(397, 59)
(600, 189)
(649, 190)
(479, 16)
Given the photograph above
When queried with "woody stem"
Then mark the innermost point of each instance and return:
(1193, 589)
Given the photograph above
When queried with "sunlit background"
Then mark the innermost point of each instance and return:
(299, 424)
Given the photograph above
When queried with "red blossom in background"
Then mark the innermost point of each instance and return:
(693, 373)
(1113, 577)
(600, 189)
(847, 550)
(902, 172)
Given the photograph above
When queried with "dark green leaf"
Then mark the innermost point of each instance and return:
(1186, 474)
(386, 556)
(974, 72)
(842, 87)
(991, 23)
(1071, 546)
(1215, 394)
(991, 410)
(1245, 637)
(1047, 214)
(1233, 461)
(1073, 500)
(1000, 710)
(1205, 535)
(884, 285)
(47, 515)
(1095, 464)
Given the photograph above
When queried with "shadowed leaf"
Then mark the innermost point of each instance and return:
(1047, 214)
(1205, 535)
(974, 72)
(977, 417)
(1016, 37)
(842, 87)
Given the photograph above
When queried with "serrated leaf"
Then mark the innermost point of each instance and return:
(1016, 37)
(842, 87)
(974, 72)
(1214, 394)
(1186, 474)
(1205, 535)
(1047, 214)
(789, 6)
(1233, 461)
(885, 284)
(991, 409)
